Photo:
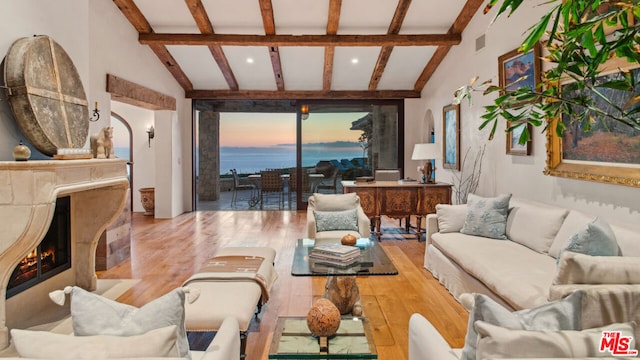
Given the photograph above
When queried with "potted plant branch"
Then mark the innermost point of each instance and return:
(580, 39)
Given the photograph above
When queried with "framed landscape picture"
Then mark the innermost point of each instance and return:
(451, 137)
(517, 70)
(607, 152)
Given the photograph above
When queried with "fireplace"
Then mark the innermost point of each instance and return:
(30, 191)
(51, 257)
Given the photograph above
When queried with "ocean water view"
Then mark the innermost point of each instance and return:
(248, 160)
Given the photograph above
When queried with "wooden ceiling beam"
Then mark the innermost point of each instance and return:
(295, 94)
(385, 52)
(204, 24)
(266, 9)
(463, 19)
(140, 23)
(301, 40)
(333, 22)
(133, 94)
(131, 11)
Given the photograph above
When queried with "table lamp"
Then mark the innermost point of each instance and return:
(426, 152)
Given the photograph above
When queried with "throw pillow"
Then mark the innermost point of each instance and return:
(334, 202)
(498, 342)
(596, 238)
(336, 220)
(576, 268)
(450, 217)
(564, 314)
(46, 345)
(486, 217)
(92, 314)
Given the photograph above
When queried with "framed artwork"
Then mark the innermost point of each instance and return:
(517, 70)
(451, 137)
(606, 153)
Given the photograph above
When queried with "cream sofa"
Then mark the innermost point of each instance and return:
(519, 272)
(523, 272)
(599, 307)
(225, 345)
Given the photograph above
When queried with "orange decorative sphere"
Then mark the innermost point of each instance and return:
(348, 240)
(323, 318)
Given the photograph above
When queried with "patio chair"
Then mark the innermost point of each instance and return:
(338, 165)
(271, 183)
(347, 164)
(293, 183)
(238, 186)
(331, 184)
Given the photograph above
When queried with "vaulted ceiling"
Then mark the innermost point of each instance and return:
(300, 49)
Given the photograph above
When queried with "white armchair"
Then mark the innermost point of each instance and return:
(226, 343)
(600, 306)
(325, 203)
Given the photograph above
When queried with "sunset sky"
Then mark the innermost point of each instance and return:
(268, 129)
(263, 129)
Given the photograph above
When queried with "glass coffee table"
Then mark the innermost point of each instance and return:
(293, 340)
(373, 260)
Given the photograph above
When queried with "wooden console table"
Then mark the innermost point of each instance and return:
(398, 199)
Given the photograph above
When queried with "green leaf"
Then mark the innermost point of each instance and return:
(536, 33)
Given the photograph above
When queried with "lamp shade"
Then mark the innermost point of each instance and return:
(426, 152)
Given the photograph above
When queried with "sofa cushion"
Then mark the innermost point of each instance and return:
(627, 238)
(486, 216)
(533, 224)
(576, 268)
(336, 220)
(92, 314)
(573, 222)
(450, 217)
(521, 278)
(159, 342)
(563, 314)
(334, 202)
(499, 342)
(596, 238)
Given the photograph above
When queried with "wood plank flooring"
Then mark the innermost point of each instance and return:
(164, 253)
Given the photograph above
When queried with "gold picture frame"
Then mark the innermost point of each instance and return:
(515, 70)
(451, 137)
(611, 173)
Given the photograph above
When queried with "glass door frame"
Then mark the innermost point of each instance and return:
(399, 103)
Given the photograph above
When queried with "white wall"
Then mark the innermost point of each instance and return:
(520, 175)
(101, 41)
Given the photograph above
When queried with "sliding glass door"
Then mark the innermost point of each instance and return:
(342, 140)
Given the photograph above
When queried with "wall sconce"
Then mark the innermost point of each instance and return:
(96, 114)
(151, 133)
(304, 111)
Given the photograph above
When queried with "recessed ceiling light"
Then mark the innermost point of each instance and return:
(354, 60)
(249, 60)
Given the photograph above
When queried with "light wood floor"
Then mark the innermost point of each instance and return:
(166, 252)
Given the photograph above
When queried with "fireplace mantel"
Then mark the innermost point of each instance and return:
(28, 191)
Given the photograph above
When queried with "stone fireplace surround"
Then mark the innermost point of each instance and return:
(28, 191)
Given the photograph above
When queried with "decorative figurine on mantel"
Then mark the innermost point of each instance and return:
(102, 144)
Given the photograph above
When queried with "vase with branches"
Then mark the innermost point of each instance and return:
(466, 180)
